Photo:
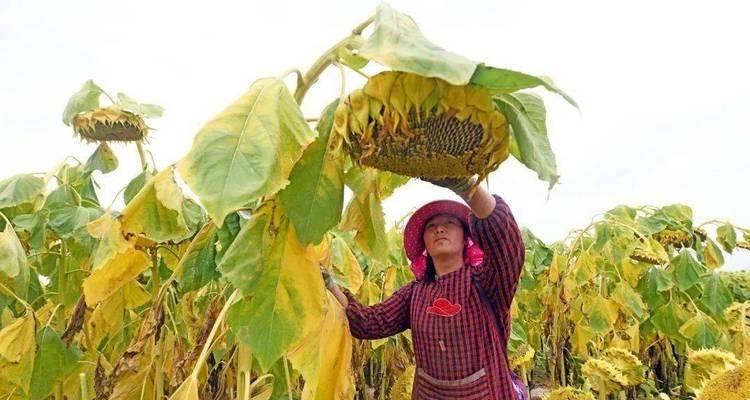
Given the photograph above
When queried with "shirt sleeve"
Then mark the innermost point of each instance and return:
(380, 320)
(502, 243)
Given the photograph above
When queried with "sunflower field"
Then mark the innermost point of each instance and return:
(206, 284)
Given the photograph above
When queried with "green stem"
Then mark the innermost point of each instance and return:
(84, 386)
(155, 286)
(244, 368)
(61, 274)
(139, 146)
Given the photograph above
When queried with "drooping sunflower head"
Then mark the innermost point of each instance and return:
(603, 376)
(110, 124)
(423, 127)
(744, 244)
(675, 237)
(705, 364)
(627, 363)
(568, 393)
(648, 257)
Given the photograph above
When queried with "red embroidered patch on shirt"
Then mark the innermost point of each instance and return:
(444, 308)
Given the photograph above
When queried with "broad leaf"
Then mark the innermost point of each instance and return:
(527, 117)
(17, 348)
(103, 159)
(53, 363)
(146, 110)
(501, 81)
(136, 184)
(601, 315)
(397, 42)
(701, 331)
(248, 150)
(86, 99)
(287, 303)
(324, 357)
(243, 262)
(716, 296)
(582, 336)
(669, 318)
(346, 269)
(364, 214)
(314, 198)
(65, 219)
(20, 189)
(36, 225)
(652, 284)
(629, 300)
(156, 212)
(686, 270)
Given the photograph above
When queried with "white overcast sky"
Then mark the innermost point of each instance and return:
(662, 87)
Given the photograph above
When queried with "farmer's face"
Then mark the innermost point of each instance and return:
(443, 235)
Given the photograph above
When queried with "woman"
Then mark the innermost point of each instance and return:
(467, 262)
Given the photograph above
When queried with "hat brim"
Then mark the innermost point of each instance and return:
(413, 242)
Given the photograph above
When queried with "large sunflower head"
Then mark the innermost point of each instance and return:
(627, 363)
(110, 124)
(603, 376)
(675, 237)
(523, 355)
(733, 384)
(705, 364)
(423, 127)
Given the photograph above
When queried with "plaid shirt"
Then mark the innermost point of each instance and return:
(458, 353)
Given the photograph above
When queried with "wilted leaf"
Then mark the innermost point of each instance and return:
(287, 301)
(146, 110)
(727, 237)
(501, 81)
(582, 336)
(85, 99)
(156, 212)
(527, 117)
(12, 254)
(199, 262)
(17, 348)
(315, 195)
(701, 331)
(669, 318)
(629, 299)
(65, 218)
(397, 42)
(243, 262)
(712, 254)
(716, 296)
(601, 315)
(136, 184)
(103, 159)
(119, 271)
(324, 357)
(687, 270)
(347, 270)
(20, 189)
(247, 151)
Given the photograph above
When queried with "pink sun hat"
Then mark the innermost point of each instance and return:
(414, 243)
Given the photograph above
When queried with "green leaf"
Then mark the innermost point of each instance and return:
(198, 264)
(397, 42)
(157, 212)
(20, 189)
(629, 299)
(621, 213)
(12, 254)
(247, 151)
(669, 318)
(652, 284)
(36, 225)
(716, 296)
(314, 198)
(286, 304)
(687, 270)
(52, 364)
(526, 115)
(727, 237)
(500, 81)
(136, 184)
(103, 159)
(146, 110)
(226, 234)
(243, 262)
(701, 331)
(679, 212)
(86, 99)
(65, 219)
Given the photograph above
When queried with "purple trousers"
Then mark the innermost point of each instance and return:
(521, 389)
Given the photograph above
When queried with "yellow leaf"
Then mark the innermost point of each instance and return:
(188, 390)
(18, 338)
(582, 336)
(114, 274)
(324, 357)
(107, 319)
(135, 295)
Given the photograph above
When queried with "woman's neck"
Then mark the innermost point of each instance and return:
(447, 264)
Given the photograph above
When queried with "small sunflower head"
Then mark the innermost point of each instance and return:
(110, 124)
(523, 355)
(424, 127)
